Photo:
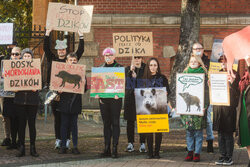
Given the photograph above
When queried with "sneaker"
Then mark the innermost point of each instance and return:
(75, 151)
(189, 157)
(130, 147)
(57, 144)
(6, 142)
(196, 158)
(68, 144)
(220, 161)
(228, 162)
(142, 148)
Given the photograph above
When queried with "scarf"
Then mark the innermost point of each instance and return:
(244, 82)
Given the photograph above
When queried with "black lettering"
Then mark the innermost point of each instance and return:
(12, 83)
(17, 83)
(36, 82)
(13, 64)
(25, 82)
(30, 82)
(62, 9)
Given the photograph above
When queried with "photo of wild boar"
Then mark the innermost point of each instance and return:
(190, 100)
(69, 78)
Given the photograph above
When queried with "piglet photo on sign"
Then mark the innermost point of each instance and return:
(67, 77)
(22, 75)
(65, 17)
(190, 94)
(133, 44)
(6, 33)
(151, 110)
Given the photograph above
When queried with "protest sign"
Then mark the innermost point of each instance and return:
(65, 17)
(190, 94)
(133, 44)
(217, 53)
(67, 77)
(6, 33)
(151, 110)
(219, 89)
(22, 75)
(107, 82)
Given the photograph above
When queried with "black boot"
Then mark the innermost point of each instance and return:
(12, 146)
(114, 152)
(107, 151)
(21, 151)
(210, 148)
(33, 151)
(6, 142)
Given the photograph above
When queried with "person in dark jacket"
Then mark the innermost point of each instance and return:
(243, 112)
(224, 120)
(70, 105)
(110, 111)
(27, 104)
(133, 72)
(152, 72)
(61, 47)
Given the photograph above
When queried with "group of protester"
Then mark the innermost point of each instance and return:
(22, 108)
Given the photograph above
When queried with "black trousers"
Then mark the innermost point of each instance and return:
(27, 114)
(226, 144)
(110, 111)
(14, 126)
(131, 132)
(150, 141)
(57, 120)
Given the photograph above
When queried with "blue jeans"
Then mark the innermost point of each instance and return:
(197, 136)
(209, 129)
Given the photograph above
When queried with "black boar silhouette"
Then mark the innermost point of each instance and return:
(70, 78)
(190, 100)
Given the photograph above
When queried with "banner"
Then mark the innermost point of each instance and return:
(219, 89)
(133, 44)
(151, 110)
(22, 75)
(107, 82)
(67, 77)
(190, 94)
(65, 17)
(6, 33)
(217, 52)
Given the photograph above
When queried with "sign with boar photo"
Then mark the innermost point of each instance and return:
(66, 17)
(22, 75)
(151, 110)
(133, 44)
(106, 82)
(190, 94)
(67, 77)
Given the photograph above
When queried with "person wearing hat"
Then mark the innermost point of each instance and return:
(27, 103)
(110, 110)
(61, 46)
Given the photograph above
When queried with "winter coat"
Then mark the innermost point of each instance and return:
(26, 98)
(129, 101)
(224, 117)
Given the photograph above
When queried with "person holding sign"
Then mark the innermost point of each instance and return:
(61, 47)
(133, 72)
(153, 78)
(194, 124)
(110, 110)
(70, 105)
(27, 104)
(243, 112)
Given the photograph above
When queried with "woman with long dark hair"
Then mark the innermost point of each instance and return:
(153, 78)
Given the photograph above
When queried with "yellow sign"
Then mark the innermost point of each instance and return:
(152, 123)
(216, 66)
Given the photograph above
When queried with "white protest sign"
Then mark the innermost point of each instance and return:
(65, 17)
(6, 33)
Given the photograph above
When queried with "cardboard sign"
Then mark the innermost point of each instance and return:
(6, 33)
(190, 94)
(151, 110)
(65, 17)
(22, 75)
(219, 89)
(133, 44)
(217, 52)
(67, 77)
(107, 82)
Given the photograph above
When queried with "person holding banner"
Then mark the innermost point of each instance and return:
(27, 105)
(243, 112)
(152, 77)
(194, 124)
(224, 120)
(61, 47)
(133, 72)
(110, 110)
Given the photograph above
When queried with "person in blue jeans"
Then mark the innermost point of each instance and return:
(209, 130)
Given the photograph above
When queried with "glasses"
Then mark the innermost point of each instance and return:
(197, 48)
(15, 54)
(137, 57)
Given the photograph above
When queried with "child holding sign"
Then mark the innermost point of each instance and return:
(194, 124)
